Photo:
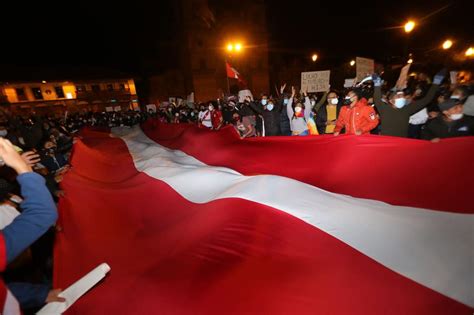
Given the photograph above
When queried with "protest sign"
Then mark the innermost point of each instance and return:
(151, 107)
(315, 81)
(364, 67)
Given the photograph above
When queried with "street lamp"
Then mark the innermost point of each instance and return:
(469, 52)
(410, 61)
(409, 26)
(238, 47)
(352, 63)
(447, 44)
(314, 57)
(230, 47)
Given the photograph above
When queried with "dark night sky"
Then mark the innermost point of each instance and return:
(124, 37)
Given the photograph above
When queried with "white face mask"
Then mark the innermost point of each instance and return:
(313, 102)
(455, 97)
(298, 109)
(269, 106)
(3, 133)
(456, 116)
(264, 102)
(334, 101)
(400, 102)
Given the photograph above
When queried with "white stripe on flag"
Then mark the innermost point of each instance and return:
(433, 248)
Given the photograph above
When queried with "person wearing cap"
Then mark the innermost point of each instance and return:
(358, 118)
(395, 114)
(452, 123)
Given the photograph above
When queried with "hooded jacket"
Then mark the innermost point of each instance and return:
(360, 117)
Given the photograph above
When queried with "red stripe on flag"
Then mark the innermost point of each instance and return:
(394, 170)
(230, 256)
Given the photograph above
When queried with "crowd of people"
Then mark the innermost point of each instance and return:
(35, 150)
(425, 109)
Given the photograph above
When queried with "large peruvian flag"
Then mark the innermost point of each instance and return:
(199, 222)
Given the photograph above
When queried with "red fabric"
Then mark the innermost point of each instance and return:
(3, 264)
(216, 118)
(396, 170)
(231, 72)
(361, 117)
(231, 256)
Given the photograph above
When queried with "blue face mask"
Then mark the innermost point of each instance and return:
(285, 101)
(400, 102)
(269, 106)
(264, 102)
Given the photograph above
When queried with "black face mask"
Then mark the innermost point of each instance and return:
(347, 101)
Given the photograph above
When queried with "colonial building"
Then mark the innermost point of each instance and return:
(205, 28)
(59, 96)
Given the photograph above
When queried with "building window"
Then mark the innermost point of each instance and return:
(95, 87)
(59, 91)
(37, 93)
(80, 88)
(110, 87)
(20, 93)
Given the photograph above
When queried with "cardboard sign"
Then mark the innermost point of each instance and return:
(403, 78)
(243, 94)
(109, 109)
(453, 76)
(151, 107)
(349, 82)
(364, 67)
(117, 108)
(315, 81)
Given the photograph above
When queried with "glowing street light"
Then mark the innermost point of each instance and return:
(238, 47)
(409, 26)
(447, 44)
(230, 47)
(410, 61)
(469, 52)
(352, 63)
(44, 82)
(314, 57)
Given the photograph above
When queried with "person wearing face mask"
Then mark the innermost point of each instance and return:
(358, 118)
(216, 117)
(452, 123)
(327, 115)
(300, 115)
(270, 111)
(396, 114)
(285, 129)
(460, 93)
(205, 116)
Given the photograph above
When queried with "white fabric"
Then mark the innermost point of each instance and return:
(7, 214)
(12, 307)
(433, 248)
(419, 118)
(205, 117)
(75, 291)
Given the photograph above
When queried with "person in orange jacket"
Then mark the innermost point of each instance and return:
(358, 118)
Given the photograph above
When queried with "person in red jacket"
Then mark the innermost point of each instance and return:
(358, 118)
(216, 117)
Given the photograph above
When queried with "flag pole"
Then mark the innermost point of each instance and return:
(227, 77)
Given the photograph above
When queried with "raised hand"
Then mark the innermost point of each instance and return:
(282, 88)
(31, 158)
(293, 91)
(9, 155)
(377, 79)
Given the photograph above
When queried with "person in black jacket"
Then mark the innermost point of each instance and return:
(271, 116)
(333, 107)
(452, 123)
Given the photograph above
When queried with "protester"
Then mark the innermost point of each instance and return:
(270, 111)
(452, 122)
(358, 118)
(39, 210)
(395, 114)
(216, 117)
(299, 115)
(327, 115)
